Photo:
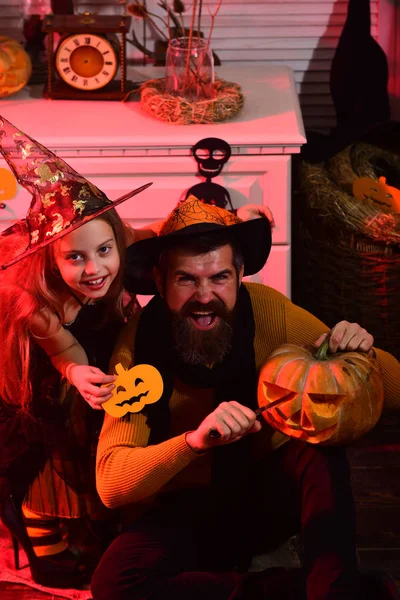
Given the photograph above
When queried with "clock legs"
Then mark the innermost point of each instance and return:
(50, 63)
(123, 65)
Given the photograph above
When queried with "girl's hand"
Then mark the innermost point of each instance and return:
(255, 211)
(87, 380)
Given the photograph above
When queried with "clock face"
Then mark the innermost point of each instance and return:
(86, 61)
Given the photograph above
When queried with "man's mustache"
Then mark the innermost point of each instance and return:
(215, 306)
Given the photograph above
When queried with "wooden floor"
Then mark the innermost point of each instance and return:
(15, 591)
(375, 466)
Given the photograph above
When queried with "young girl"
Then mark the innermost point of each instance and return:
(61, 300)
(61, 303)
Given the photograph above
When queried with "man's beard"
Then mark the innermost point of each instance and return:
(202, 347)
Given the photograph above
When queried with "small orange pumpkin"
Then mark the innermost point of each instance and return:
(8, 185)
(328, 399)
(15, 67)
(384, 196)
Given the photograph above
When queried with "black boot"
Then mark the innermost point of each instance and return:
(60, 570)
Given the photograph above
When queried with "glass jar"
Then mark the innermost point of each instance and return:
(189, 69)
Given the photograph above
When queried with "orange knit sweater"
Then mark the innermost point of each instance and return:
(130, 471)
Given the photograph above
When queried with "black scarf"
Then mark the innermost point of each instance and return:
(233, 379)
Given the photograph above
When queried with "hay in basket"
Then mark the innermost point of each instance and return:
(227, 102)
(328, 189)
(347, 264)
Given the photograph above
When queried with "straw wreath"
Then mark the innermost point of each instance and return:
(227, 102)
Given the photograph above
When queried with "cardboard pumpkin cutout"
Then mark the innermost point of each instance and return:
(8, 185)
(328, 399)
(382, 195)
(134, 388)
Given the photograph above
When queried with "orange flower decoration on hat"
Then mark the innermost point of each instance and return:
(193, 212)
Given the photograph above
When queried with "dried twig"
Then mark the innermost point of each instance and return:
(179, 8)
(139, 11)
(135, 42)
(169, 23)
(144, 34)
(163, 4)
(197, 74)
(199, 18)
(190, 40)
(212, 15)
(193, 67)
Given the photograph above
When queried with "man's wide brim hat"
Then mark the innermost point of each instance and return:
(192, 218)
(62, 199)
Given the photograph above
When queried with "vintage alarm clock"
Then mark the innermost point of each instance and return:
(90, 59)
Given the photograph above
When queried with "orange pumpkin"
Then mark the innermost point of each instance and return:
(384, 196)
(15, 67)
(328, 399)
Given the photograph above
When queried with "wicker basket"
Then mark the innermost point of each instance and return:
(347, 265)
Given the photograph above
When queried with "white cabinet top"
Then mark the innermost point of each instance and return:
(269, 123)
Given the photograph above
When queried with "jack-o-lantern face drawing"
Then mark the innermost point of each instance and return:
(382, 195)
(134, 388)
(326, 399)
(8, 185)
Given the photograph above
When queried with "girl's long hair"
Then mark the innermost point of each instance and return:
(25, 289)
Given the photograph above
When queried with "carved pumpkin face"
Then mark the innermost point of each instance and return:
(8, 185)
(385, 197)
(15, 67)
(134, 388)
(326, 400)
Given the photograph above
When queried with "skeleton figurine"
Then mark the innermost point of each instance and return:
(211, 154)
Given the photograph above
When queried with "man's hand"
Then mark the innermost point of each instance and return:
(255, 211)
(87, 379)
(232, 421)
(348, 337)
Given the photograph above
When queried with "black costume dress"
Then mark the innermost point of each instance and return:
(48, 457)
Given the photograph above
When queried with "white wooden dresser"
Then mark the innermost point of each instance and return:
(118, 147)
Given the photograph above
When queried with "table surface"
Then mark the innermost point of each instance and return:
(271, 116)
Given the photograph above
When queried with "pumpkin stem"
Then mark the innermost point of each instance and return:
(323, 350)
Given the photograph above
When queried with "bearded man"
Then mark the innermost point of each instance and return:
(201, 503)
